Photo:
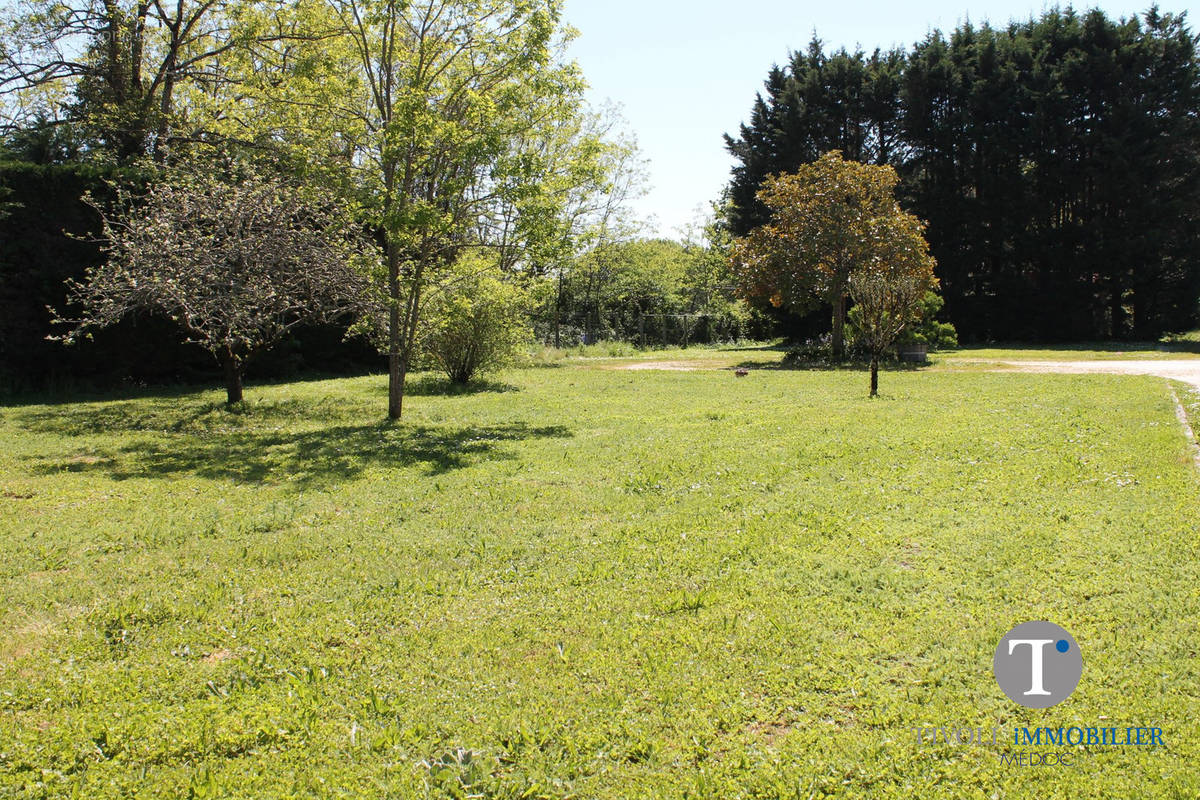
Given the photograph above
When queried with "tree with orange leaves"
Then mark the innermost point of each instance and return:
(829, 219)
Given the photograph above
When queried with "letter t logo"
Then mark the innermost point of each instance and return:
(1035, 662)
(1037, 678)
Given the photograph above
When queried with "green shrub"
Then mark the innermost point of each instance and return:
(478, 323)
(927, 329)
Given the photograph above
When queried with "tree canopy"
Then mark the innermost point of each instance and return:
(235, 264)
(828, 219)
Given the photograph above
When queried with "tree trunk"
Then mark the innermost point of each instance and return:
(874, 375)
(839, 316)
(233, 377)
(395, 374)
(398, 395)
(395, 387)
(161, 146)
(1143, 322)
(404, 338)
(558, 310)
(1117, 312)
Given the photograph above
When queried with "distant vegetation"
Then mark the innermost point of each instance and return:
(1056, 161)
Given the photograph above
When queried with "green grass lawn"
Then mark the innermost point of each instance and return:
(593, 583)
(1084, 352)
(973, 357)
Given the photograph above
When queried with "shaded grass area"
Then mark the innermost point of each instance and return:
(238, 446)
(592, 583)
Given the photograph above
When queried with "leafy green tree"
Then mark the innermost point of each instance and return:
(610, 290)
(709, 285)
(822, 228)
(589, 170)
(444, 106)
(641, 290)
(117, 69)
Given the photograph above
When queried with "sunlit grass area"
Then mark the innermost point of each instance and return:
(591, 582)
(1176, 348)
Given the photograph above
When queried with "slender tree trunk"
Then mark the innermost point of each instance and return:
(396, 397)
(395, 387)
(161, 151)
(839, 316)
(233, 377)
(161, 147)
(558, 309)
(404, 337)
(874, 375)
(395, 373)
(1117, 311)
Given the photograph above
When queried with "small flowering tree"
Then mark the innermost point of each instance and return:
(235, 264)
(888, 289)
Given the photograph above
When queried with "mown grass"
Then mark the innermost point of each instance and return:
(588, 582)
(1189, 397)
(1099, 351)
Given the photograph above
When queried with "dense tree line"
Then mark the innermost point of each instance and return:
(448, 130)
(646, 291)
(1055, 160)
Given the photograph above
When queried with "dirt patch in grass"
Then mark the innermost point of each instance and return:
(769, 732)
(84, 458)
(24, 640)
(672, 366)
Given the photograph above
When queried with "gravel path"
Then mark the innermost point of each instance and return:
(1182, 370)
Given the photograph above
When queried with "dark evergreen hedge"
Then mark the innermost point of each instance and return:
(47, 235)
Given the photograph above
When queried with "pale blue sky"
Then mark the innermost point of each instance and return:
(686, 72)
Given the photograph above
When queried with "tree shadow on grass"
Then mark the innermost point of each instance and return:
(175, 414)
(772, 347)
(304, 459)
(828, 365)
(439, 386)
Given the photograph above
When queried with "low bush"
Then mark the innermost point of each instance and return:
(478, 323)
